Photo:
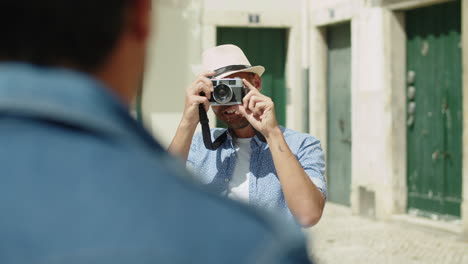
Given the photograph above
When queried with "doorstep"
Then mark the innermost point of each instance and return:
(452, 226)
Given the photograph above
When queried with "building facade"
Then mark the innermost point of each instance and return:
(391, 75)
(379, 82)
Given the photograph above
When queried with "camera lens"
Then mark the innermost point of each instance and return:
(222, 94)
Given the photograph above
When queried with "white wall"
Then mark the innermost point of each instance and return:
(273, 12)
(175, 46)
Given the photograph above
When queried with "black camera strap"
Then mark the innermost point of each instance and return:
(207, 133)
(205, 124)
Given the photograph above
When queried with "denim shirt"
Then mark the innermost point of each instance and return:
(215, 168)
(82, 182)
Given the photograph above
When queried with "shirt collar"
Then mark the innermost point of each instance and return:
(64, 96)
(230, 139)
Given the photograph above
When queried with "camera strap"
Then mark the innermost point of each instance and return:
(207, 133)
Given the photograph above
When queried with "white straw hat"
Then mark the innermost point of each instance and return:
(226, 60)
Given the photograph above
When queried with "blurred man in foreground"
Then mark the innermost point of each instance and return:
(81, 181)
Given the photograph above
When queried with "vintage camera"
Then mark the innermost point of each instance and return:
(227, 92)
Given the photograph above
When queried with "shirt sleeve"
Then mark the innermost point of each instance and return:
(311, 158)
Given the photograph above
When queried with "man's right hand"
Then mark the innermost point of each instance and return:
(180, 145)
(193, 98)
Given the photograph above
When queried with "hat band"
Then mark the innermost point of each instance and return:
(230, 68)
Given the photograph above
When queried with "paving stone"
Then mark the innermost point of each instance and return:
(341, 237)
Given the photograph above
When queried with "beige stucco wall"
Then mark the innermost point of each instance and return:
(378, 96)
(333, 11)
(175, 46)
(317, 84)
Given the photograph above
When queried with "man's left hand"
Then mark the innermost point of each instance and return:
(259, 110)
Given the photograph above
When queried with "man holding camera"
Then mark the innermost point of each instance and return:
(256, 161)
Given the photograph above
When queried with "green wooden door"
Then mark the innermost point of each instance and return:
(339, 113)
(434, 133)
(266, 47)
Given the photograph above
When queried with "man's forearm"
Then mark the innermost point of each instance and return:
(304, 199)
(180, 145)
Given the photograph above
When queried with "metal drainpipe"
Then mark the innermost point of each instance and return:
(139, 103)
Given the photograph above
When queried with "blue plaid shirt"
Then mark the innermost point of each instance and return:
(215, 168)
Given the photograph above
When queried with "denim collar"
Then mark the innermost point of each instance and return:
(65, 96)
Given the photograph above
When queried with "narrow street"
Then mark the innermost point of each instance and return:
(343, 238)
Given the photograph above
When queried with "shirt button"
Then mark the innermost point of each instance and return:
(226, 180)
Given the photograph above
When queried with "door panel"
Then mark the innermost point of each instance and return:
(339, 113)
(266, 47)
(435, 111)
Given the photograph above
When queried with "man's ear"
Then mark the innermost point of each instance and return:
(140, 18)
(257, 82)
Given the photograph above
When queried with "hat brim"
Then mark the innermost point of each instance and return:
(254, 69)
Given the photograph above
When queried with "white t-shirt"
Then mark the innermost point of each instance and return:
(238, 188)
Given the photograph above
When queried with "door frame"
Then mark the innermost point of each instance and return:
(325, 31)
(318, 117)
(446, 216)
(398, 10)
(269, 18)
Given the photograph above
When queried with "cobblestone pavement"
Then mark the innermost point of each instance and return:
(343, 238)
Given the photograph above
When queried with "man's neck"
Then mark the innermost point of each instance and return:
(245, 132)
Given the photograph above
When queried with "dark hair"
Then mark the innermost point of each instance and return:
(50, 32)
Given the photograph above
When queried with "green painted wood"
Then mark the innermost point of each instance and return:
(266, 47)
(434, 141)
(339, 113)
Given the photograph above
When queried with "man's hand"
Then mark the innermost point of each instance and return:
(259, 110)
(180, 145)
(193, 98)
